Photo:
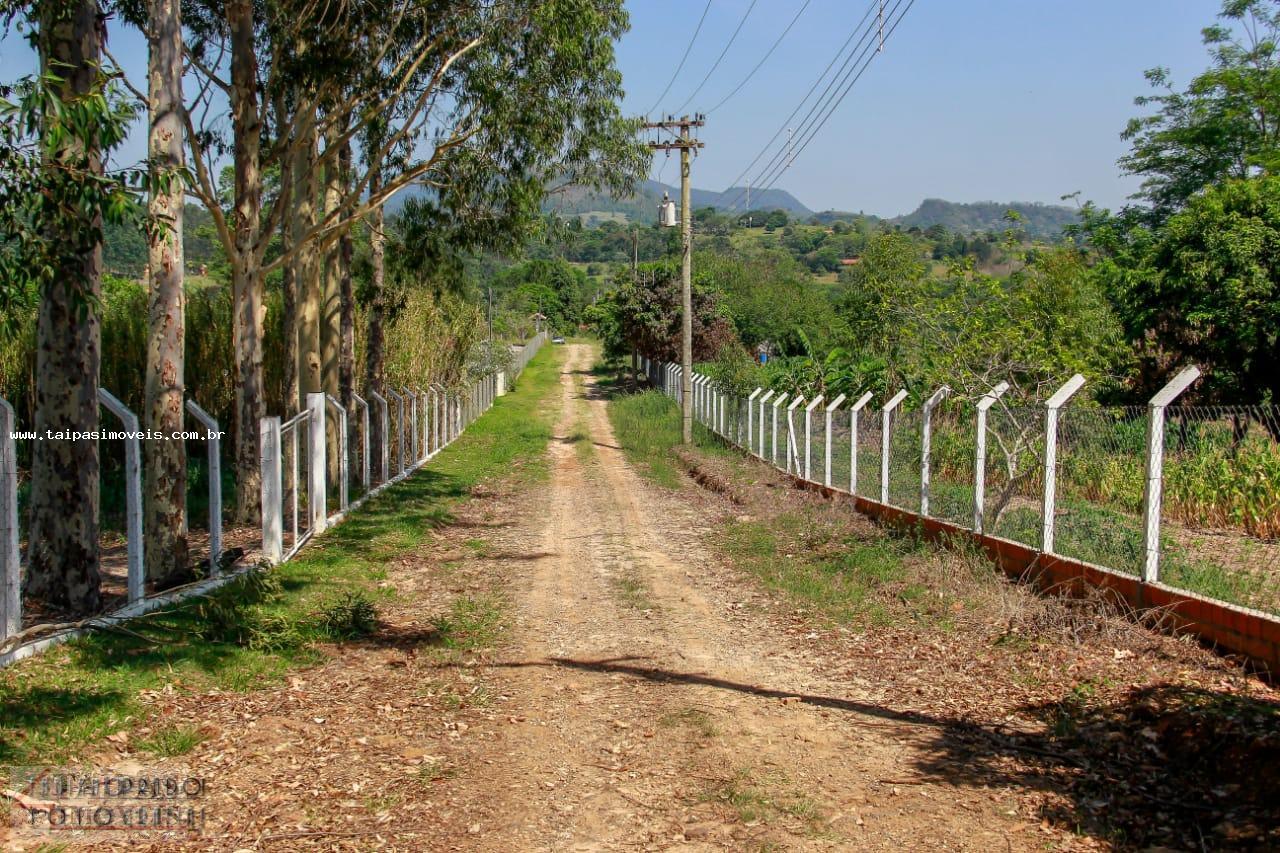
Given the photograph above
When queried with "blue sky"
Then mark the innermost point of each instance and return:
(1004, 100)
(989, 100)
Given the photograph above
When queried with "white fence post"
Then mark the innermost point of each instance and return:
(793, 445)
(1052, 407)
(980, 455)
(132, 490)
(364, 438)
(212, 444)
(437, 394)
(751, 402)
(768, 395)
(424, 447)
(384, 418)
(777, 401)
(317, 494)
(343, 463)
(1155, 469)
(808, 424)
(854, 411)
(826, 469)
(269, 452)
(926, 439)
(391, 394)
(10, 571)
(886, 423)
(412, 398)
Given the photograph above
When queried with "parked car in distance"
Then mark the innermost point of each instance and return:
(557, 340)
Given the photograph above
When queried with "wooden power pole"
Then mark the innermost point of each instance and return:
(685, 144)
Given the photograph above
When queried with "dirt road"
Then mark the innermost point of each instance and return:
(651, 707)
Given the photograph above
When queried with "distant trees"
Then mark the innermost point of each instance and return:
(1191, 268)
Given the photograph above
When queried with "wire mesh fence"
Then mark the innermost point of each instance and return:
(1218, 521)
(953, 435)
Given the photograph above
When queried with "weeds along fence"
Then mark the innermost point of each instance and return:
(316, 468)
(1184, 497)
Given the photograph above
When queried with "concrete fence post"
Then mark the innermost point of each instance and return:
(424, 445)
(364, 438)
(393, 395)
(777, 401)
(317, 464)
(10, 571)
(412, 400)
(269, 452)
(344, 461)
(886, 425)
(826, 453)
(751, 402)
(926, 442)
(1052, 408)
(793, 444)
(808, 431)
(132, 490)
(212, 449)
(384, 418)
(768, 395)
(980, 455)
(1155, 469)
(854, 411)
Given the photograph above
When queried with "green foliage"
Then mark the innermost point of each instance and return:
(643, 315)
(51, 218)
(1226, 124)
(770, 298)
(350, 616)
(553, 287)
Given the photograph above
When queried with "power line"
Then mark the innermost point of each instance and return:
(812, 88)
(683, 59)
(720, 58)
(887, 32)
(837, 78)
(826, 104)
(762, 61)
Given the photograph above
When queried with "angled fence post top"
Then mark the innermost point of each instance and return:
(835, 404)
(861, 402)
(894, 400)
(376, 396)
(989, 399)
(779, 400)
(1065, 393)
(767, 396)
(795, 401)
(936, 397)
(201, 415)
(1175, 387)
(755, 393)
(360, 401)
(391, 392)
(128, 418)
(813, 404)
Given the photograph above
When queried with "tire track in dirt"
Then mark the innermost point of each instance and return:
(646, 712)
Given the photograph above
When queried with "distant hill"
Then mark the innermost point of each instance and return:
(1038, 220)
(643, 206)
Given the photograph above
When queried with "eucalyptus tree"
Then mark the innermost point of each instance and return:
(484, 103)
(55, 192)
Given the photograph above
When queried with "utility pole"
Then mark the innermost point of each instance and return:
(686, 144)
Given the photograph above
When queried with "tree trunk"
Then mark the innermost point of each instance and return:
(305, 262)
(331, 308)
(165, 461)
(248, 309)
(289, 297)
(374, 342)
(62, 568)
(347, 320)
